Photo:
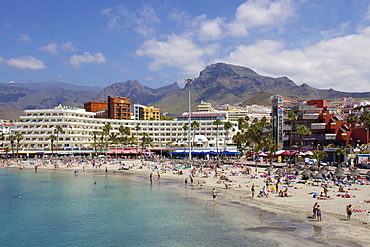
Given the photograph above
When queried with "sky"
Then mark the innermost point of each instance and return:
(325, 44)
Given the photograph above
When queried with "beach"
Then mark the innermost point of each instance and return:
(234, 191)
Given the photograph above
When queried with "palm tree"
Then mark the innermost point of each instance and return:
(145, 139)
(102, 135)
(6, 150)
(270, 144)
(302, 131)
(240, 140)
(124, 131)
(95, 134)
(254, 135)
(185, 127)
(12, 139)
(52, 139)
(58, 129)
(217, 122)
(339, 152)
(137, 128)
(113, 138)
(227, 127)
(320, 156)
(195, 125)
(19, 137)
(364, 117)
(352, 120)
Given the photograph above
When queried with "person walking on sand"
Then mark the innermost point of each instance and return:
(314, 210)
(349, 211)
(319, 213)
(214, 194)
(252, 190)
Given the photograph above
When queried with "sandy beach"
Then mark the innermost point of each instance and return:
(234, 186)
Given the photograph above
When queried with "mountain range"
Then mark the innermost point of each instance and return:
(218, 83)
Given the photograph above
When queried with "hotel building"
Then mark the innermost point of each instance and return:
(79, 126)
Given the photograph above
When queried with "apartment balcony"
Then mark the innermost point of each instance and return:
(310, 116)
(330, 136)
(318, 126)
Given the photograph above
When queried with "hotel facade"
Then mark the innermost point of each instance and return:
(79, 127)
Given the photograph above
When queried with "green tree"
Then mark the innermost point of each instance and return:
(254, 135)
(137, 128)
(217, 122)
(145, 139)
(12, 139)
(52, 138)
(185, 127)
(195, 125)
(270, 145)
(352, 120)
(302, 131)
(95, 134)
(227, 127)
(339, 152)
(58, 130)
(19, 137)
(320, 155)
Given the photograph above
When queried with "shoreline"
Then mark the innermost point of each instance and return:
(297, 208)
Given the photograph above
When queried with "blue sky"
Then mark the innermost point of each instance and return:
(325, 44)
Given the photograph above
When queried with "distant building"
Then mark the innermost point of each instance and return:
(115, 108)
(326, 128)
(142, 112)
(6, 127)
(119, 108)
(94, 106)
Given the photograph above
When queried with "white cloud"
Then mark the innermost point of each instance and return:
(211, 29)
(341, 63)
(23, 37)
(177, 51)
(2, 60)
(54, 48)
(141, 21)
(257, 13)
(67, 46)
(26, 62)
(77, 60)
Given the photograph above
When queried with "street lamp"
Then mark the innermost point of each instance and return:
(189, 81)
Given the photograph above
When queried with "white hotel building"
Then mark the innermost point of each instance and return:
(78, 126)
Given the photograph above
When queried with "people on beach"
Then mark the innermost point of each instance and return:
(186, 182)
(314, 210)
(349, 211)
(318, 213)
(252, 190)
(214, 194)
(151, 178)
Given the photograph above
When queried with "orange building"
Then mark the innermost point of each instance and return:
(119, 108)
(94, 106)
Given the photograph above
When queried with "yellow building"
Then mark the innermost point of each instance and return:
(151, 113)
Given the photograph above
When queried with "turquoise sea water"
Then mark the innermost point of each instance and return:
(59, 208)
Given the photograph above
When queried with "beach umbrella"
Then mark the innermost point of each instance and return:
(368, 173)
(269, 169)
(314, 168)
(323, 172)
(354, 173)
(318, 176)
(279, 170)
(305, 173)
(291, 172)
